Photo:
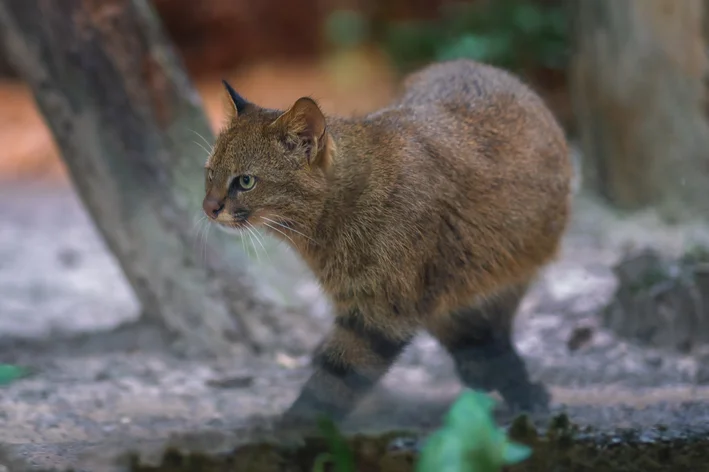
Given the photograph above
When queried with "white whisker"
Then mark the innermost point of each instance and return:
(243, 244)
(284, 234)
(258, 239)
(202, 240)
(203, 139)
(289, 228)
(203, 148)
(206, 242)
(202, 225)
(253, 245)
(198, 219)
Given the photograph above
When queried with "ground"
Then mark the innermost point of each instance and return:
(103, 379)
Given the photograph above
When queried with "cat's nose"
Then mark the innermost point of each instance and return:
(212, 206)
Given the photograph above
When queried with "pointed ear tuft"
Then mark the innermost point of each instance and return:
(304, 123)
(237, 100)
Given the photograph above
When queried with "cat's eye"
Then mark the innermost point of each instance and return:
(245, 182)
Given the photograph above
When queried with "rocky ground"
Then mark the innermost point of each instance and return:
(104, 383)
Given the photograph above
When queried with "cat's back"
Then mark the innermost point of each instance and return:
(483, 129)
(460, 82)
(474, 166)
(464, 104)
(480, 123)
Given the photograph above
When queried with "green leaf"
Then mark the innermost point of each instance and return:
(470, 441)
(9, 373)
(471, 414)
(341, 454)
(514, 453)
(321, 460)
(443, 452)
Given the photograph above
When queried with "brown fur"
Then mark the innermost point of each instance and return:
(435, 212)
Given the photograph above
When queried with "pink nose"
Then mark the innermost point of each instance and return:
(212, 206)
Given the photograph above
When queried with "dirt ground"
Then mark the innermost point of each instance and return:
(105, 383)
(101, 378)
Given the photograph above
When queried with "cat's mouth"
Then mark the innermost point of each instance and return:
(240, 220)
(246, 220)
(236, 220)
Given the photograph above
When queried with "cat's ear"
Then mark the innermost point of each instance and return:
(304, 125)
(237, 103)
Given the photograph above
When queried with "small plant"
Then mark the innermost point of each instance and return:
(469, 441)
(340, 454)
(9, 373)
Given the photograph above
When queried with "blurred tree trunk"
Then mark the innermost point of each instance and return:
(705, 24)
(126, 117)
(637, 79)
(6, 70)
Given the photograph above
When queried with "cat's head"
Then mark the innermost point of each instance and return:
(268, 167)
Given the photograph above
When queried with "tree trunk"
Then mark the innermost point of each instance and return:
(705, 22)
(6, 70)
(126, 118)
(637, 79)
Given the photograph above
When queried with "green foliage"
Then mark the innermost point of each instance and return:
(346, 28)
(510, 33)
(695, 254)
(9, 373)
(469, 440)
(340, 454)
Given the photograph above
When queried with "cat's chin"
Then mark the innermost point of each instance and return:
(231, 229)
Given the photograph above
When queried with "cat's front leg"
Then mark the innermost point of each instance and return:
(350, 361)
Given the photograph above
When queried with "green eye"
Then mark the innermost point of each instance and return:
(246, 182)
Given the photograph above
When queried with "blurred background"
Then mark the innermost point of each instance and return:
(347, 54)
(617, 327)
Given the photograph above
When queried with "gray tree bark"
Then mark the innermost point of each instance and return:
(637, 83)
(6, 69)
(126, 117)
